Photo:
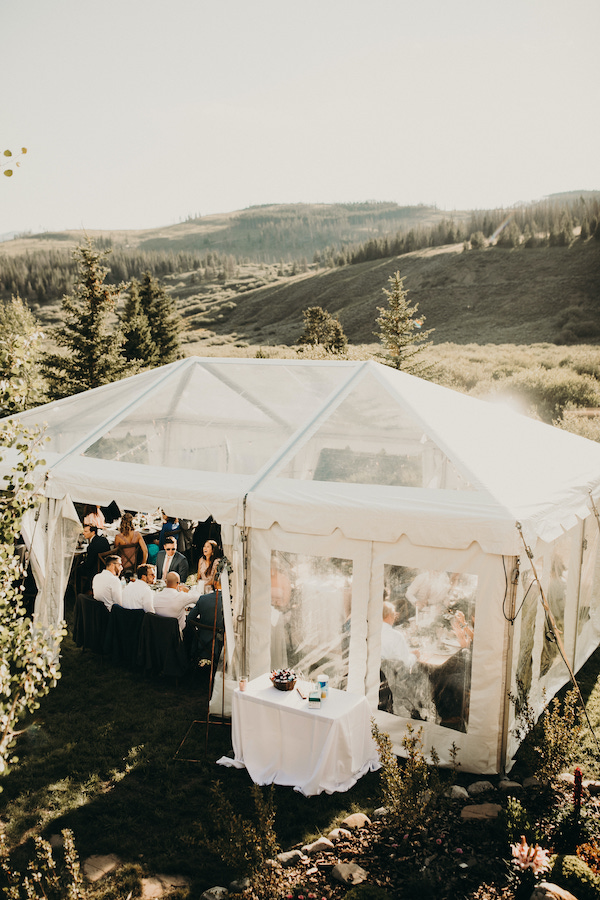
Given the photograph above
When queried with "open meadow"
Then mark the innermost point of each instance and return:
(556, 384)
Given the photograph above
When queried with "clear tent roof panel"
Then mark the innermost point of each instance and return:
(370, 438)
(69, 420)
(214, 417)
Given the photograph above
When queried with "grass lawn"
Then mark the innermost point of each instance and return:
(98, 758)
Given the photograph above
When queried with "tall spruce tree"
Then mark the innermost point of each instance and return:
(401, 336)
(139, 344)
(163, 318)
(91, 333)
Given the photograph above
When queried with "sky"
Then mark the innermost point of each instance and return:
(139, 113)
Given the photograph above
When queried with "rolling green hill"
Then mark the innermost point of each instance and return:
(246, 277)
(489, 296)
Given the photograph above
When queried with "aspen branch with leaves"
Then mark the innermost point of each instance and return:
(11, 161)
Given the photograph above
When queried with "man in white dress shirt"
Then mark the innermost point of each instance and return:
(106, 586)
(138, 594)
(172, 600)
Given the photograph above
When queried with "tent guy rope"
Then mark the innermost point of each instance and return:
(556, 633)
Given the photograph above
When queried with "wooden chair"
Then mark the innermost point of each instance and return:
(102, 557)
(129, 556)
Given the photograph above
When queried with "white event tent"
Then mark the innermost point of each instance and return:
(343, 488)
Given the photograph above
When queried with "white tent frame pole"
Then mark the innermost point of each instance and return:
(299, 437)
(514, 581)
(252, 400)
(105, 426)
(245, 590)
(427, 429)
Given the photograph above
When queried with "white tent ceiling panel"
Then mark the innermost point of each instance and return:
(193, 495)
(374, 512)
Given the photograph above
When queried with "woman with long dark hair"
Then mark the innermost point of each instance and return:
(207, 567)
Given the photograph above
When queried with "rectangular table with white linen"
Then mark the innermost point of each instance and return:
(279, 738)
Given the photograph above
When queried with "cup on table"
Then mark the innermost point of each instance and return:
(243, 682)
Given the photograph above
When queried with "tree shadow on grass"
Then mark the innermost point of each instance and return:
(98, 758)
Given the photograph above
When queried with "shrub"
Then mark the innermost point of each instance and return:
(323, 329)
(44, 880)
(478, 241)
(241, 844)
(572, 873)
(410, 789)
(516, 822)
(549, 392)
(367, 892)
(549, 744)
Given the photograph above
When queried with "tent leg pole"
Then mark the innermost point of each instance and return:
(514, 562)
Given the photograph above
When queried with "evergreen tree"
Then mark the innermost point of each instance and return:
(163, 318)
(478, 241)
(91, 334)
(337, 341)
(321, 328)
(401, 334)
(139, 343)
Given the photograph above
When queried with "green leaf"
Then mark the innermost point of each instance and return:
(8, 172)
(23, 150)
(7, 153)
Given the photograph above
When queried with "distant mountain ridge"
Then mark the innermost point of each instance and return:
(247, 276)
(260, 233)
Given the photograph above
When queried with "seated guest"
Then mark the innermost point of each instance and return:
(170, 560)
(393, 642)
(172, 600)
(204, 611)
(153, 548)
(207, 565)
(170, 527)
(93, 515)
(97, 543)
(128, 535)
(138, 594)
(106, 586)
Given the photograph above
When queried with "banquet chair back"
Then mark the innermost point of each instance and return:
(123, 635)
(129, 555)
(102, 557)
(161, 648)
(90, 623)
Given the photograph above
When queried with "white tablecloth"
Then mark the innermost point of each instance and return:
(279, 738)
